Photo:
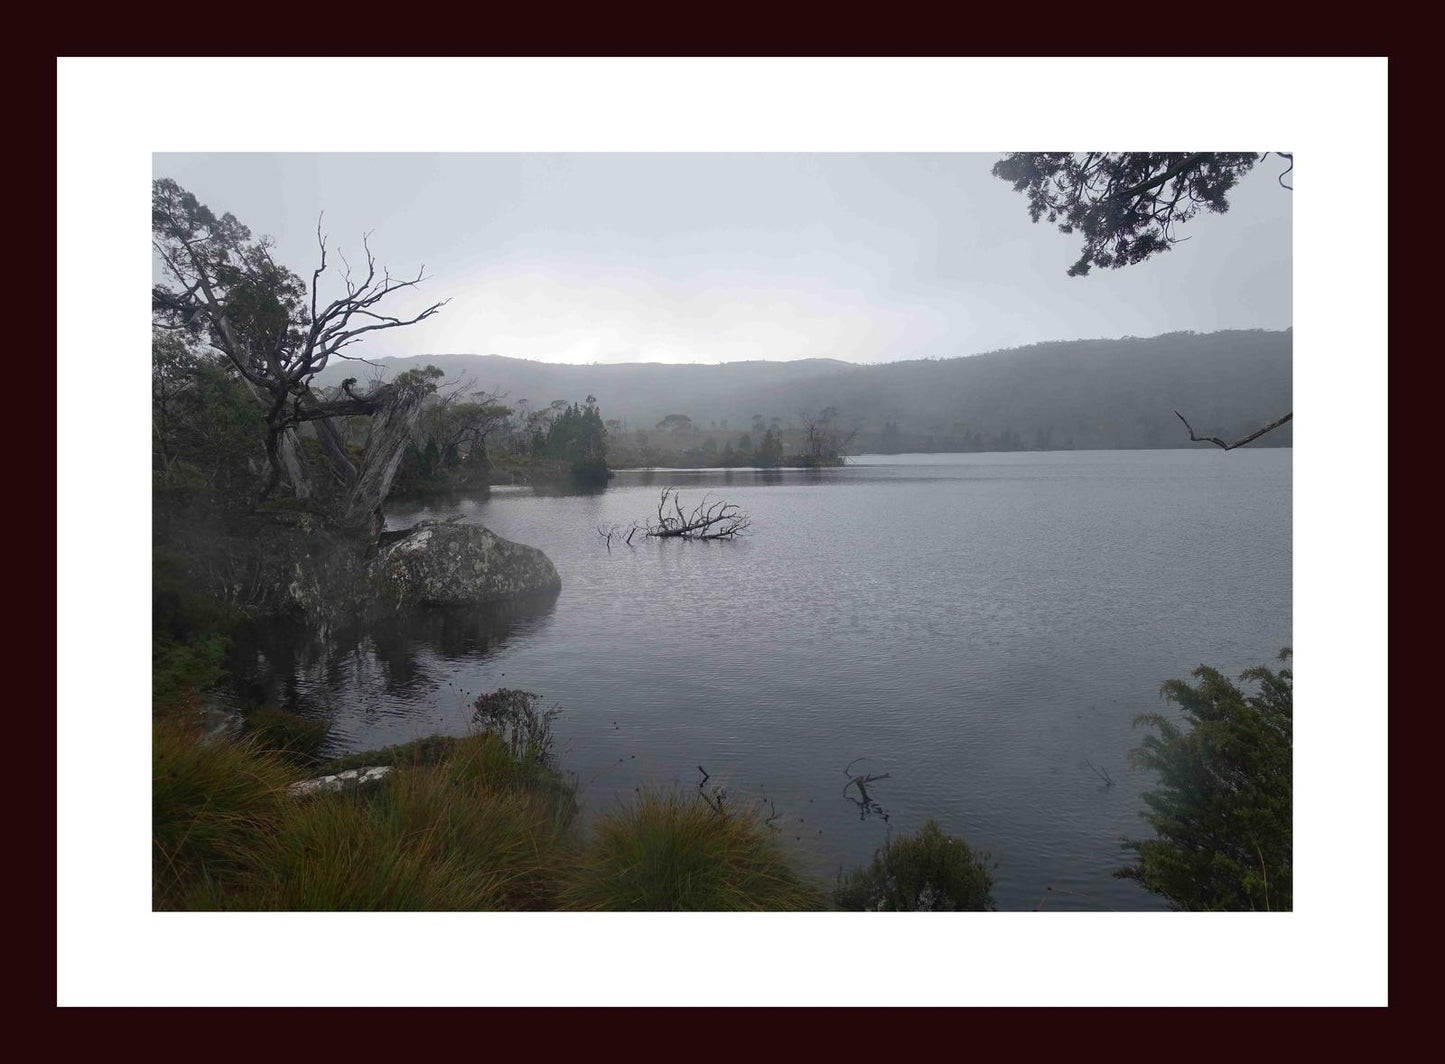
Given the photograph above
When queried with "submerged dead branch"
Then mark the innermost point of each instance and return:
(768, 820)
(618, 533)
(1051, 890)
(864, 801)
(717, 800)
(707, 520)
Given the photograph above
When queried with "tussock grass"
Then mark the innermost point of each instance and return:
(291, 735)
(478, 829)
(210, 801)
(475, 828)
(670, 852)
(459, 824)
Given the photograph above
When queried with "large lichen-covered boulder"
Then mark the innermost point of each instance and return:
(440, 563)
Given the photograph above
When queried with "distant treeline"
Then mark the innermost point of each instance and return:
(1081, 394)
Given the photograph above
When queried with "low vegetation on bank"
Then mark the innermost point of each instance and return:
(485, 821)
(676, 852)
(459, 824)
(489, 821)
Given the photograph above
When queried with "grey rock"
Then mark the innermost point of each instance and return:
(442, 563)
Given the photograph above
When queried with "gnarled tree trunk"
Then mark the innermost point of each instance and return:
(392, 427)
(286, 448)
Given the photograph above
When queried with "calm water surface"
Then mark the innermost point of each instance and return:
(979, 627)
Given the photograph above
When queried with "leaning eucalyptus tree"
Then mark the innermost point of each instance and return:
(224, 289)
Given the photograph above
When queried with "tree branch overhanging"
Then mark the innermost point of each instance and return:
(1237, 443)
(1126, 205)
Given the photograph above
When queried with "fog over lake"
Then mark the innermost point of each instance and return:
(982, 628)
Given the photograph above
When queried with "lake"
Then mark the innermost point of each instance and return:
(981, 628)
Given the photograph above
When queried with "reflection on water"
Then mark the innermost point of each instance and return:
(304, 671)
(982, 629)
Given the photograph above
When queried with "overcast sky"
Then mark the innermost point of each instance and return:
(718, 258)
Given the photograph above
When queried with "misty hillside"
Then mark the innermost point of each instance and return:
(1075, 394)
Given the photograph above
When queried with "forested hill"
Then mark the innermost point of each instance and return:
(1081, 394)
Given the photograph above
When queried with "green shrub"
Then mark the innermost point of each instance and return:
(932, 871)
(189, 633)
(666, 852)
(590, 470)
(180, 669)
(180, 608)
(517, 718)
(1223, 813)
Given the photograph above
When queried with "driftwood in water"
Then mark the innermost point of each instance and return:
(717, 520)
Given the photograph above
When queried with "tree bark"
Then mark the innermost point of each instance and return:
(334, 447)
(392, 427)
(286, 447)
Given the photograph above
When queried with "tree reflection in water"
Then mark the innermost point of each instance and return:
(274, 663)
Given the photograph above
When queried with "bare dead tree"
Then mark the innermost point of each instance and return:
(226, 288)
(1256, 434)
(824, 441)
(708, 520)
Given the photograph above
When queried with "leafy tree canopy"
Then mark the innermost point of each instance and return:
(1126, 205)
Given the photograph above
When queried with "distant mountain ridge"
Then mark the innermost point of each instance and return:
(1058, 395)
